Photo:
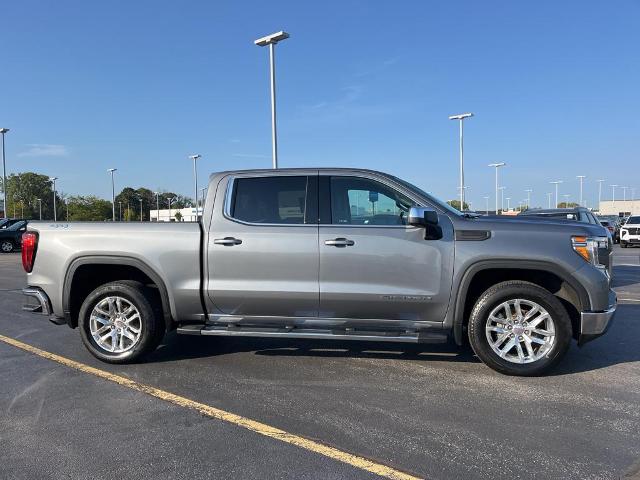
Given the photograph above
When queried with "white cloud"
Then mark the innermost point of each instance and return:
(45, 150)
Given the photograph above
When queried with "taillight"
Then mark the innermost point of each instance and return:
(29, 247)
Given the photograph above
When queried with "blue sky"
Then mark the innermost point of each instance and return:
(555, 87)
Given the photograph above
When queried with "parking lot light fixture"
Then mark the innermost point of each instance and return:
(4, 173)
(502, 189)
(486, 200)
(581, 178)
(556, 183)
(40, 207)
(157, 207)
(113, 194)
(195, 180)
(271, 41)
(497, 166)
(53, 186)
(461, 117)
(528, 190)
(624, 193)
(599, 193)
(549, 195)
(613, 193)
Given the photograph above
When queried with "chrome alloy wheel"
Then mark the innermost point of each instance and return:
(115, 324)
(520, 331)
(7, 246)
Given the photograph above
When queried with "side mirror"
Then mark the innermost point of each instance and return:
(428, 219)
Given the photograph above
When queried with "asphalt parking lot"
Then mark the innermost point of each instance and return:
(432, 411)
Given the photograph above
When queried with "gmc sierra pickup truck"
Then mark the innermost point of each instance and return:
(343, 254)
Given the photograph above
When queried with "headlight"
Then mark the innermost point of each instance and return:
(587, 247)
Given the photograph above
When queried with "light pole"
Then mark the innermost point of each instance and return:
(40, 207)
(4, 173)
(53, 186)
(141, 209)
(486, 200)
(549, 195)
(528, 190)
(501, 198)
(581, 178)
(120, 216)
(157, 207)
(461, 118)
(195, 180)
(556, 183)
(599, 193)
(203, 190)
(624, 193)
(613, 193)
(170, 200)
(497, 166)
(113, 194)
(271, 41)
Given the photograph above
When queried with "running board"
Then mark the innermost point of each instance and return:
(319, 334)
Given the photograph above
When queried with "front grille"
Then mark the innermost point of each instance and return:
(634, 231)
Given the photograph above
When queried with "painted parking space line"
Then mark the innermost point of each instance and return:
(356, 461)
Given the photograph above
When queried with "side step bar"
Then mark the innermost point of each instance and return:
(222, 331)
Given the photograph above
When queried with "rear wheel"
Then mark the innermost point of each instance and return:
(120, 322)
(7, 246)
(519, 328)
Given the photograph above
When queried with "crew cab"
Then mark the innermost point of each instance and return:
(345, 254)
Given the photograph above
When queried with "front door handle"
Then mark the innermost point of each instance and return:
(227, 241)
(340, 242)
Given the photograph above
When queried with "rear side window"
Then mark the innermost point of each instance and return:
(270, 199)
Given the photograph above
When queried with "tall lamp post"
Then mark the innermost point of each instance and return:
(141, 216)
(53, 186)
(170, 200)
(120, 215)
(581, 178)
(4, 173)
(549, 195)
(157, 206)
(502, 189)
(497, 166)
(203, 190)
(486, 200)
(271, 41)
(624, 193)
(113, 194)
(613, 193)
(556, 183)
(40, 206)
(460, 117)
(528, 190)
(599, 193)
(195, 180)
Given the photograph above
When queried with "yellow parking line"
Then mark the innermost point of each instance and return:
(258, 427)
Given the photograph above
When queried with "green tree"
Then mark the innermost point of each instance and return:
(88, 208)
(178, 216)
(23, 190)
(456, 204)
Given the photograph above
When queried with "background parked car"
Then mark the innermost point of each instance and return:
(7, 222)
(11, 237)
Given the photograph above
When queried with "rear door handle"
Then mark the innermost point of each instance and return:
(228, 241)
(340, 242)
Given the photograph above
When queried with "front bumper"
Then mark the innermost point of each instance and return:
(38, 302)
(594, 324)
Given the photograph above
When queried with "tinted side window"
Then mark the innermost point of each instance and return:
(269, 199)
(360, 201)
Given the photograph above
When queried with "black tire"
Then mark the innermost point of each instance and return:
(7, 246)
(151, 320)
(623, 244)
(516, 289)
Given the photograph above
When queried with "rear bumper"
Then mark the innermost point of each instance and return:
(594, 324)
(37, 301)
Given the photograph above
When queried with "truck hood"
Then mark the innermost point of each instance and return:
(498, 222)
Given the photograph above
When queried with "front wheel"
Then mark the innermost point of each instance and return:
(120, 322)
(623, 244)
(7, 246)
(519, 328)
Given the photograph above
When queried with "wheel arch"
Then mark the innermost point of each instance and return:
(481, 275)
(112, 268)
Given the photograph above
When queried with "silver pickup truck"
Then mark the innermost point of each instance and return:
(343, 254)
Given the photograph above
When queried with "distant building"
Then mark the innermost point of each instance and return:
(186, 215)
(621, 208)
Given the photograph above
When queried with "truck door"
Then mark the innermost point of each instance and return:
(262, 252)
(373, 265)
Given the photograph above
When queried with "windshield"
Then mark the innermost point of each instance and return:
(633, 220)
(17, 226)
(419, 191)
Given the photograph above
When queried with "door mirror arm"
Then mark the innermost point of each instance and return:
(426, 218)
